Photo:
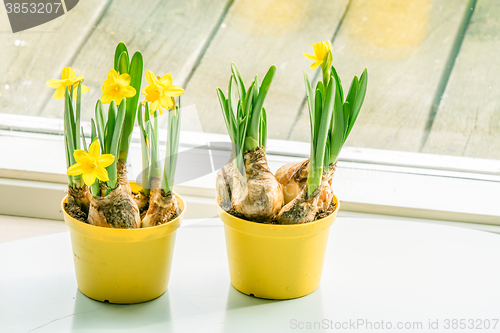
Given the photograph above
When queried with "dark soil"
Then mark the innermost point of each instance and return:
(330, 210)
(318, 216)
(75, 212)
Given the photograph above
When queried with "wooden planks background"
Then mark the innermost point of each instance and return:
(415, 51)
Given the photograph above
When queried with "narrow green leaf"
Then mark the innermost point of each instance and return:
(84, 142)
(68, 127)
(115, 140)
(339, 83)
(264, 128)
(135, 71)
(77, 116)
(257, 107)
(347, 113)
(226, 113)
(110, 127)
(239, 81)
(311, 105)
(326, 118)
(99, 122)
(120, 48)
(338, 131)
(123, 63)
(146, 113)
(360, 97)
(93, 135)
(318, 99)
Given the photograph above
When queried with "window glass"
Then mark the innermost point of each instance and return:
(433, 69)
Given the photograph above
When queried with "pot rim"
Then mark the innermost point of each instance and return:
(113, 234)
(278, 230)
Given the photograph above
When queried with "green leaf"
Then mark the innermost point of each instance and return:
(110, 127)
(93, 135)
(318, 106)
(226, 113)
(253, 126)
(123, 63)
(347, 113)
(68, 129)
(338, 130)
(77, 117)
(99, 119)
(311, 106)
(264, 128)
(239, 81)
(339, 83)
(115, 140)
(136, 67)
(360, 97)
(120, 48)
(83, 141)
(326, 118)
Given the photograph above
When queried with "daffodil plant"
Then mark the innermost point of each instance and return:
(331, 116)
(159, 95)
(246, 184)
(246, 118)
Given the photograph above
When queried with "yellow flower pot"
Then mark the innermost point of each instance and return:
(276, 261)
(123, 265)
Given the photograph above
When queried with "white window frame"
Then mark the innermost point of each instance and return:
(412, 185)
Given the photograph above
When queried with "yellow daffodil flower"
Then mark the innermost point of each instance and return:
(68, 79)
(91, 164)
(116, 87)
(160, 92)
(321, 51)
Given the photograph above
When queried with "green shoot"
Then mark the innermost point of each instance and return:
(109, 135)
(245, 118)
(134, 68)
(72, 137)
(331, 118)
(173, 132)
(143, 120)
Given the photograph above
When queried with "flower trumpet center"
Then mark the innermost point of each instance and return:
(89, 164)
(116, 88)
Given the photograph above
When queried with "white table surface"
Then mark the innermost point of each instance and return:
(375, 270)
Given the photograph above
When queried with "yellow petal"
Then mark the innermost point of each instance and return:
(166, 79)
(60, 92)
(106, 99)
(173, 91)
(85, 89)
(105, 160)
(95, 149)
(89, 178)
(124, 79)
(310, 57)
(54, 84)
(68, 73)
(101, 174)
(167, 102)
(112, 76)
(154, 106)
(75, 170)
(80, 155)
(315, 65)
(118, 99)
(151, 78)
(128, 91)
